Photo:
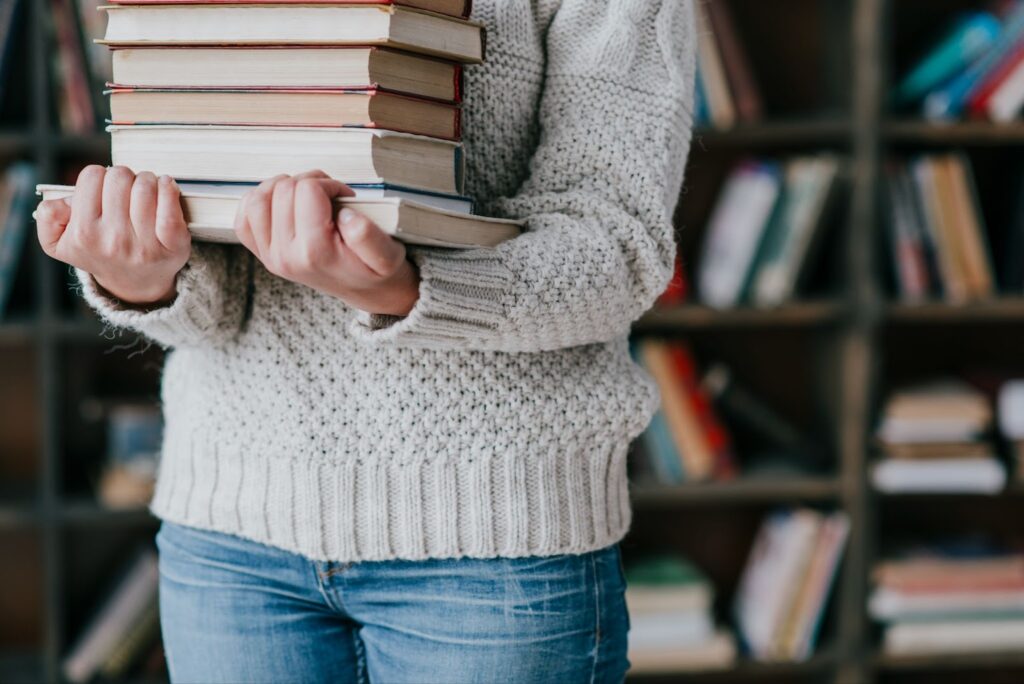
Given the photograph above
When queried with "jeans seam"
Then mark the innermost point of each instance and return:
(597, 618)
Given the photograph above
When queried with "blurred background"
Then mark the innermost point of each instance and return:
(831, 492)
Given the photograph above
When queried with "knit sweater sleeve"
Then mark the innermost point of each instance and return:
(206, 311)
(615, 120)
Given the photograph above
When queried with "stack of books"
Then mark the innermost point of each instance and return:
(938, 240)
(672, 628)
(727, 92)
(957, 600)
(231, 93)
(934, 438)
(786, 583)
(686, 441)
(765, 231)
(976, 69)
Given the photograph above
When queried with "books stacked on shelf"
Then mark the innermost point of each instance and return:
(15, 204)
(765, 231)
(672, 627)
(134, 433)
(786, 583)
(726, 90)
(232, 93)
(938, 240)
(124, 628)
(964, 599)
(685, 442)
(934, 438)
(1010, 410)
(976, 69)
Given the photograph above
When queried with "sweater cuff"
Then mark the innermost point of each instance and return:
(461, 302)
(185, 320)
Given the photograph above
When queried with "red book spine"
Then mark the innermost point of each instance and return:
(715, 435)
(978, 106)
(678, 288)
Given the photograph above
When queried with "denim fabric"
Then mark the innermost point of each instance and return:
(234, 610)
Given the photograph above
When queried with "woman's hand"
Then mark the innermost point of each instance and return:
(126, 230)
(289, 223)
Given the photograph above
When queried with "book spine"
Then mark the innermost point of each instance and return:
(978, 106)
(734, 60)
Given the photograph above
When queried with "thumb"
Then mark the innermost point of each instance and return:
(52, 218)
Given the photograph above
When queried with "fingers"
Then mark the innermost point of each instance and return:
(171, 229)
(142, 210)
(116, 195)
(282, 212)
(376, 249)
(256, 205)
(52, 218)
(88, 202)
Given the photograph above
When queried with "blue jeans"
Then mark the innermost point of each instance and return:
(238, 611)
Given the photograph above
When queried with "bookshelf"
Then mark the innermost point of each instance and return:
(824, 66)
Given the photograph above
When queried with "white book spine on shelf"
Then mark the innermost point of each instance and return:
(952, 475)
(954, 636)
(1007, 101)
(887, 604)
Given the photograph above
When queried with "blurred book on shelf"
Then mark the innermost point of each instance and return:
(937, 236)
(134, 432)
(965, 597)
(765, 231)
(16, 196)
(786, 583)
(975, 69)
(123, 628)
(936, 438)
(672, 627)
(727, 92)
(1010, 412)
(76, 110)
(686, 441)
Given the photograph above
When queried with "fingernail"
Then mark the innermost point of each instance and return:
(346, 215)
(67, 200)
(164, 180)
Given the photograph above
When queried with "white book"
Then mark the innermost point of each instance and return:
(717, 653)
(946, 475)
(887, 605)
(735, 230)
(122, 610)
(674, 599)
(954, 636)
(1006, 102)
(669, 630)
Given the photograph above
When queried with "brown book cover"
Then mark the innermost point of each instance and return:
(746, 95)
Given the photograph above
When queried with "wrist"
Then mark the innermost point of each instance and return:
(403, 295)
(144, 296)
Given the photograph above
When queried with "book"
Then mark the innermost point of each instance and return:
(211, 218)
(1007, 98)
(97, 57)
(968, 226)
(714, 84)
(254, 153)
(281, 107)
(719, 653)
(121, 610)
(743, 87)
(355, 68)
(798, 640)
(939, 229)
(969, 37)
(296, 24)
(933, 573)
(735, 231)
(892, 605)
(794, 234)
(74, 101)
(906, 237)
(977, 106)
(955, 636)
(945, 475)
(142, 635)
(454, 8)
(716, 436)
(940, 411)
(15, 200)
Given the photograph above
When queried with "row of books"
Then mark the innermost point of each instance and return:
(122, 636)
(226, 95)
(16, 184)
(949, 436)
(777, 610)
(726, 91)
(937, 235)
(690, 439)
(765, 230)
(975, 69)
(965, 597)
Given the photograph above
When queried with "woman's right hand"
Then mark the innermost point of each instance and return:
(126, 230)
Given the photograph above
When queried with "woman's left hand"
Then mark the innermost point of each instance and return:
(290, 224)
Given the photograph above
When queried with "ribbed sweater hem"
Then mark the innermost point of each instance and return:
(385, 509)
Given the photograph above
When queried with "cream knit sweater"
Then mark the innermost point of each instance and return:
(493, 420)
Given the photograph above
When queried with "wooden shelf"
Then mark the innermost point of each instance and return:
(993, 310)
(752, 490)
(775, 133)
(953, 133)
(993, 660)
(697, 317)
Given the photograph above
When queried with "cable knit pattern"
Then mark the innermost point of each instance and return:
(494, 419)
